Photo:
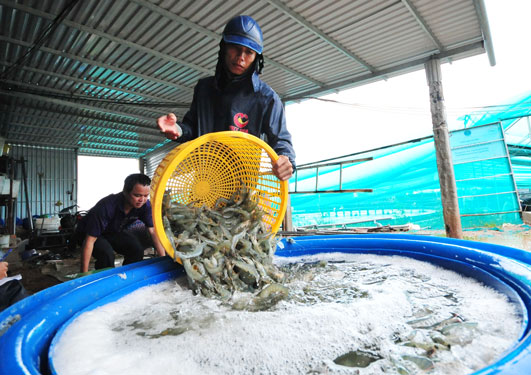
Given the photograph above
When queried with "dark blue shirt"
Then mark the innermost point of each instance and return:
(108, 216)
(249, 106)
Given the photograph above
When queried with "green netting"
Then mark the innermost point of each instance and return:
(404, 182)
(405, 185)
(516, 123)
(506, 114)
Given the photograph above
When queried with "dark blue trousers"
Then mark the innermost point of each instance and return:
(124, 243)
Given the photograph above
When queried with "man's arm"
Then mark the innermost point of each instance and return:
(158, 246)
(279, 139)
(86, 252)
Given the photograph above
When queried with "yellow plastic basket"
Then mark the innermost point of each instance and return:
(215, 166)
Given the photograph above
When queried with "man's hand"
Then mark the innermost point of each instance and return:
(168, 125)
(3, 269)
(158, 246)
(282, 168)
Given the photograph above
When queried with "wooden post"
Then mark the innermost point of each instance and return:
(452, 218)
(287, 223)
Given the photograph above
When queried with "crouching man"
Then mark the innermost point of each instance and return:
(104, 228)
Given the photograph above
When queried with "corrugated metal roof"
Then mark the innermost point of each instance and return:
(93, 75)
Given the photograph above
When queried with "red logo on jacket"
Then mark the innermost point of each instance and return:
(240, 121)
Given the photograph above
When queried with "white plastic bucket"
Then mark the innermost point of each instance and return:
(4, 240)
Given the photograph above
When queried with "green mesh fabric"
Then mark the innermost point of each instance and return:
(405, 183)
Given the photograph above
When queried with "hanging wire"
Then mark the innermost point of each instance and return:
(419, 110)
(40, 40)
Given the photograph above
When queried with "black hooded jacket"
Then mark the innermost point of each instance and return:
(248, 105)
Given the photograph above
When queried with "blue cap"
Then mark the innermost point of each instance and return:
(244, 30)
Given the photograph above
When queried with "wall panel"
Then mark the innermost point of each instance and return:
(51, 177)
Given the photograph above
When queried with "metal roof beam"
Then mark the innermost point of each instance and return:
(329, 40)
(367, 78)
(80, 107)
(84, 117)
(81, 150)
(50, 92)
(93, 151)
(98, 64)
(103, 146)
(80, 81)
(74, 143)
(25, 135)
(25, 142)
(293, 72)
(422, 23)
(70, 142)
(91, 134)
(216, 36)
(479, 5)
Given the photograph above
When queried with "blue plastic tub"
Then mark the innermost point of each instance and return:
(28, 328)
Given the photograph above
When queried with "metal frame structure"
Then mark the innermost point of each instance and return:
(93, 75)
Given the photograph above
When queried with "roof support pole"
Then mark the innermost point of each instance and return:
(287, 223)
(452, 219)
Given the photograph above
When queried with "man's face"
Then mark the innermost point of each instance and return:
(138, 196)
(238, 59)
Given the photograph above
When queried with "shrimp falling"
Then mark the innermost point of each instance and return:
(226, 249)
